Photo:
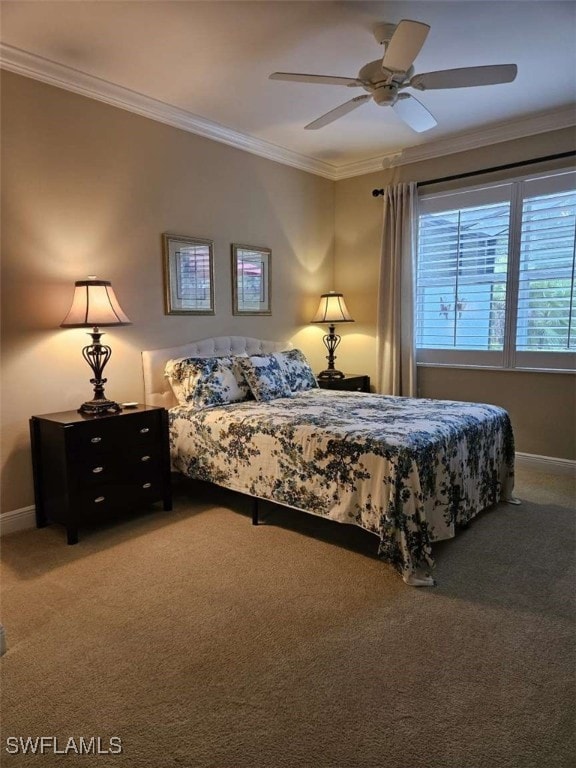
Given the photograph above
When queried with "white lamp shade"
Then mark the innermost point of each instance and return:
(332, 309)
(94, 304)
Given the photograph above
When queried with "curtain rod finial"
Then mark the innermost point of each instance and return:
(377, 192)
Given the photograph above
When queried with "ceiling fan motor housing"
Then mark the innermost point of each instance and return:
(373, 75)
(386, 95)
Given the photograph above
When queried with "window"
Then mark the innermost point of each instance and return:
(495, 281)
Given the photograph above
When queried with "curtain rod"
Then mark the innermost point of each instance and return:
(572, 153)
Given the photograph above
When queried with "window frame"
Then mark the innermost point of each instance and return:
(509, 358)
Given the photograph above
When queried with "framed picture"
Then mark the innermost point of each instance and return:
(251, 280)
(188, 275)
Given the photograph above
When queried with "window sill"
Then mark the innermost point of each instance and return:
(462, 366)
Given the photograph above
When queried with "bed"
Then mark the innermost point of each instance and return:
(410, 471)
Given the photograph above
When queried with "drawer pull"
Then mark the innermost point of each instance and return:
(96, 440)
(147, 485)
(97, 470)
(99, 499)
(144, 430)
(145, 458)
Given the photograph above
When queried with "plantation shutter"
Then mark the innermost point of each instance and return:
(496, 275)
(462, 275)
(546, 314)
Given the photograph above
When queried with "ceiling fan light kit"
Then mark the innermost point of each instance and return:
(385, 78)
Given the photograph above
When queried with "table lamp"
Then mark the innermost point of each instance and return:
(332, 309)
(95, 305)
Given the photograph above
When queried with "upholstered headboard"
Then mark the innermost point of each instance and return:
(157, 390)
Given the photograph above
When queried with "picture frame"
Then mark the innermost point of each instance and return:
(251, 280)
(188, 275)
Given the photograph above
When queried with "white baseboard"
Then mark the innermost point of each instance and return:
(17, 520)
(550, 464)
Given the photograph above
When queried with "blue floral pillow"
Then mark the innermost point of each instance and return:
(265, 377)
(296, 370)
(205, 382)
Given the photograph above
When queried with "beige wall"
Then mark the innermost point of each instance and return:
(542, 405)
(88, 189)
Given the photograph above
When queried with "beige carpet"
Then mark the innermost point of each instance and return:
(202, 641)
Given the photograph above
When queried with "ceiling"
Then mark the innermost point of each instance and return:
(204, 66)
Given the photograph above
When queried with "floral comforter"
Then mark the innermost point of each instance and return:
(408, 470)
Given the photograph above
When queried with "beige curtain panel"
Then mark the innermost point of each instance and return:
(396, 349)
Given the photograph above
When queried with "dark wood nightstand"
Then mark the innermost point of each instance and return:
(90, 468)
(351, 382)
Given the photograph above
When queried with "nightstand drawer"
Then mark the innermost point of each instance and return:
(110, 436)
(107, 467)
(120, 495)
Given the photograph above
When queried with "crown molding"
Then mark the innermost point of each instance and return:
(51, 72)
(362, 167)
(552, 120)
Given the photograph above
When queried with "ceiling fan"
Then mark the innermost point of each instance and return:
(386, 78)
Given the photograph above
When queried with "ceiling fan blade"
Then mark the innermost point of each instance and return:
(465, 77)
(322, 79)
(405, 45)
(340, 111)
(414, 113)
